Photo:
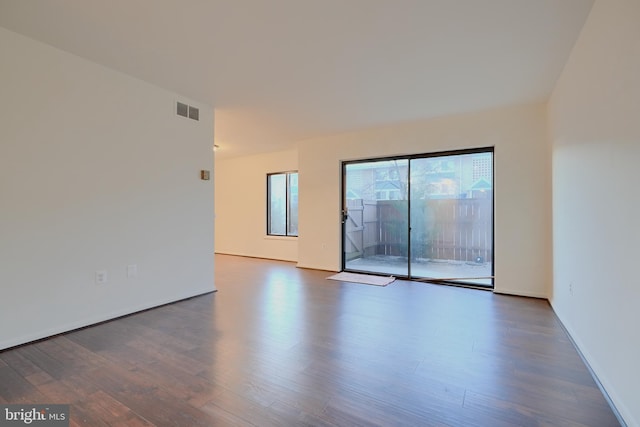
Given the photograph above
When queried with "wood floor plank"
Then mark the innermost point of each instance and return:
(58, 392)
(13, 385)
(282, 346)
(104, 407)
(14, 388)
(533, 413)
(298, 416)
(16, 360)
(71, 354)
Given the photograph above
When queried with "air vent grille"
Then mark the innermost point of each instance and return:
(188, 111)
(194, 113)
(182, 109)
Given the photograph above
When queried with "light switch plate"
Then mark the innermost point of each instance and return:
(101, 277)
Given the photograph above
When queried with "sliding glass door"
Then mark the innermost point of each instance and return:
(426, 216)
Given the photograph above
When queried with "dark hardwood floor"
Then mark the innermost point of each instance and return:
(280, 346)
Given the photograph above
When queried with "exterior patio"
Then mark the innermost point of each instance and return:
(465, 272)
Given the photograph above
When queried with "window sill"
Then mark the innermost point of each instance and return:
(268, 237)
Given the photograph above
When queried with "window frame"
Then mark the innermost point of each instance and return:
(288, 198)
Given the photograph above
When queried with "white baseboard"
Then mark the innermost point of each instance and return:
(519, 293)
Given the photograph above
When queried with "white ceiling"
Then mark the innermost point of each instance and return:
(278, 71)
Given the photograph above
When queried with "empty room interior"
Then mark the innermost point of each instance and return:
(178, 181)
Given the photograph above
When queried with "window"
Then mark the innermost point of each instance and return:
(282, 204)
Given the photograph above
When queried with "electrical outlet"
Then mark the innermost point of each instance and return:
(571, 288)
(101, 277)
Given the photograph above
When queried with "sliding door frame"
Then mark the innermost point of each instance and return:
(409, 157)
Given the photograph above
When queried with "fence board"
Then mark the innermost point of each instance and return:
(444, 229)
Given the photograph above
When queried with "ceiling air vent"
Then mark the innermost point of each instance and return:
(182, 109)
(188, 111)
(194, 113)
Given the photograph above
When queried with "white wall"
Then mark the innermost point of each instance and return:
(522, 187)
(595, 127)
(96, 173)
(241, 206)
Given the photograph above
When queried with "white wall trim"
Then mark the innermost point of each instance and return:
(520, 293)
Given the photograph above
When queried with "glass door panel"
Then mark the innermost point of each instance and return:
(375, 217)
(452, 218)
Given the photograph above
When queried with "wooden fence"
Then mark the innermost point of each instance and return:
(361, 228)
(444, 229)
